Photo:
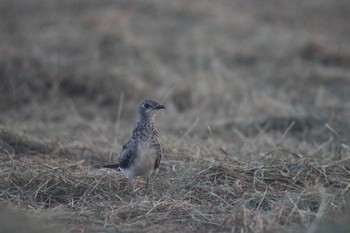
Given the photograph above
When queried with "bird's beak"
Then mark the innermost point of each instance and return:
(160, 106)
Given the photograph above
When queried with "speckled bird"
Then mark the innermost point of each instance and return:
(143, 152)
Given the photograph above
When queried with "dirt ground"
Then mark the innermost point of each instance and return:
(255, 135)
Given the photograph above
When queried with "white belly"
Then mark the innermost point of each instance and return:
(143, 163)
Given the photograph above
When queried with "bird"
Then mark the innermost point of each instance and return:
(143, 152)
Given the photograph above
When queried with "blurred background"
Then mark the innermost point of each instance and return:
(239, 78)
(220, 64)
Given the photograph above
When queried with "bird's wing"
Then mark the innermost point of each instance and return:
(158, 158)
(129, 152)
(113, 166)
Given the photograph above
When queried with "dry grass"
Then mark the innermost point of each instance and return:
(255, 136)
(200, 194)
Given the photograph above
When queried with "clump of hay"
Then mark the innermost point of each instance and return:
(202, 194)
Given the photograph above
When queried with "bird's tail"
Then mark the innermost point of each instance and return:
(114, 166)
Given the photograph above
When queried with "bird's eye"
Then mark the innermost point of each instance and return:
(146, 105)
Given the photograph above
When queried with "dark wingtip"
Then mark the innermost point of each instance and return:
(113, 166)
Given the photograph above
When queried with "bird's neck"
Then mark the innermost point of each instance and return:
(145, 122)
(143, 117)
(144, 129)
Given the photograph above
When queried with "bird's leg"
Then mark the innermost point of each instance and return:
(147, 181)
(154, 173)
(131, 188)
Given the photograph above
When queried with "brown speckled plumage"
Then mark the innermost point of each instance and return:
(142, 153)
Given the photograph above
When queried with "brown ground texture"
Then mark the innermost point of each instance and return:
(255, 135)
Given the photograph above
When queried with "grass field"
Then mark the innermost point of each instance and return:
(255, 135)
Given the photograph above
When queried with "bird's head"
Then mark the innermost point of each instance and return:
(148, 108)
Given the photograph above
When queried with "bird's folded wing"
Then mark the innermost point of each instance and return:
(128, 154)
(159, 157)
